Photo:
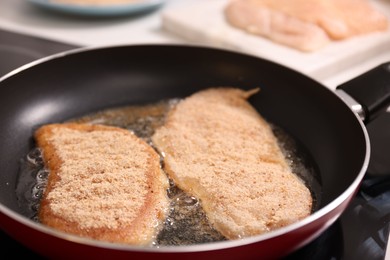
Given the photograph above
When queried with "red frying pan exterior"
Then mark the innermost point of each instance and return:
(86, 80)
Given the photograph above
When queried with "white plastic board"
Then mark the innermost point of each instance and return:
(204, 24)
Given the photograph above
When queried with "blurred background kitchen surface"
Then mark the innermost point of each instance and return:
(331, 66)
(144, 27)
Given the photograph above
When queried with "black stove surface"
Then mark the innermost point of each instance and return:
(18, 49)
(360, 233)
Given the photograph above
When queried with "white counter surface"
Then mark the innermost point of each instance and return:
(22, 16)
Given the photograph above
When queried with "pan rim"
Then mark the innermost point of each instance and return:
(347, 193)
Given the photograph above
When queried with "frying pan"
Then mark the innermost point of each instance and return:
(82, 81)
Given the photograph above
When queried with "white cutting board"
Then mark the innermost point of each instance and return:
(204, 24)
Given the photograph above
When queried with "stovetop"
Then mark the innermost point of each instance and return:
(360, 233)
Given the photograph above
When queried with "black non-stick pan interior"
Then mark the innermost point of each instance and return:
(85, 81)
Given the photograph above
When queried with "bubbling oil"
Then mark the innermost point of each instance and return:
(186, 222)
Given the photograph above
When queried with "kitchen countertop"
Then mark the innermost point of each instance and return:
(24, 17)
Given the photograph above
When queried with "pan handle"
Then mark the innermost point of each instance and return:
(369, 93)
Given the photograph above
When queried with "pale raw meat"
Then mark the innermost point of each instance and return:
(306, 25)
